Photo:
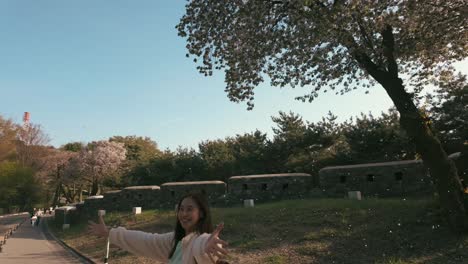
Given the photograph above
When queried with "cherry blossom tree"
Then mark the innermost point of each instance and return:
(99, 160)
(339, 46)
(51, 175)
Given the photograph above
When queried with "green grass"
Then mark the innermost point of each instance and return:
(276, 259)
(387, 231)
(394, 261)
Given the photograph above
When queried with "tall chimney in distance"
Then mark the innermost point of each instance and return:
(26, 118)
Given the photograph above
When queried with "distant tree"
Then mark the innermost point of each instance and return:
(8, 192)
(33, 135)
(18, 187)
(72, 173)
(73, 146)
(449, 112)
(218, 157)
(300, 146)
(324, 133)
(288, 142)
(8, 135)
(98, 161)
(378, 139)
(159, 170)
(189, 165)
(138, 148)
(185, 164)
(249, 151)
(140, 151)
(51, 176)
(341, 46)
(326, 143)
(31, 145)
(290, 127)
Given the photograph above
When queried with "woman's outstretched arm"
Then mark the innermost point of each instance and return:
(156, 246)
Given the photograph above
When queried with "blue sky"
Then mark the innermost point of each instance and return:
(87, 70)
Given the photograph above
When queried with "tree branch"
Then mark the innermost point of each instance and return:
(388, 43)
(366, 63)
(365, 36)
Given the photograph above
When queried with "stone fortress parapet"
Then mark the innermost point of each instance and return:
(387, 179)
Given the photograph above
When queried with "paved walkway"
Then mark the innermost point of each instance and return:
(29, 245)
(9, 221)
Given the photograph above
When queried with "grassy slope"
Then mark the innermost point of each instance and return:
(310, 231)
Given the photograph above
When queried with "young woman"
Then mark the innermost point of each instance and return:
(193, 241)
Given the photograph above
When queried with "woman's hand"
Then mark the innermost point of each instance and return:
(213, 244)
(99, 229)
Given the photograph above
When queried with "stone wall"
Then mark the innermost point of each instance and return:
(92, 204)
(135, 196)
(388, 179)
(66, 215)
(171, 192)
(113, 201)
(148, 197)
(151, 197)
(269, 186)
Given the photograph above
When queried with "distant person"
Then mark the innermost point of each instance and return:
(38, 220)
(193, 241)
(33, 220)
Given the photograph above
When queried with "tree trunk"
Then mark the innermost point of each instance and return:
(68, 193)
(95, 187)
(441, 168)
(56, 198)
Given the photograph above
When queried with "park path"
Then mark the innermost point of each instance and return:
(30, 245)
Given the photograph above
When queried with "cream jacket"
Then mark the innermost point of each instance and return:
(158, 246)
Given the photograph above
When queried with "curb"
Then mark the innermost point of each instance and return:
(8, 215)
(74, 252)
(9, 233)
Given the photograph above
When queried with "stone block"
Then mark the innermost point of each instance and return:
(136, 210)
(65, 226)
(355, 195)
(249, 203)
(101, 212)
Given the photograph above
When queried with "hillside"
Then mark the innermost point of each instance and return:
(387, 231)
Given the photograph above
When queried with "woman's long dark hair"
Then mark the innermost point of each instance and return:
(204, 225)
